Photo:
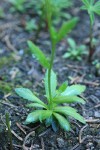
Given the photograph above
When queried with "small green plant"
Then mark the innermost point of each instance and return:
(31, 25)
(18, 5)
(2, 14)
(52, 112)
(57, 6)
(9, 130)
(58, 12)
(98, 69)
(96, 63)
(57, 9)
(92, 7)
(75, 52)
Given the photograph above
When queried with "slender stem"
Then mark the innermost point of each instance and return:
(39, 26)
(53, 44)
(9, 131)
(49, 71)
(49, 21)
(91, 35)
(91, 48)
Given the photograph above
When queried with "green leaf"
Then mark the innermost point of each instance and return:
(38, 115)
(64, 108)
(68, 99)
(53, 34)
(83, 7)
(97, 8)
(17, 3)
(45, 114)
(54, 124)
(66, 28)
(63, 87)
(36, 105)
(86, 2)
(38, 54)
(67, 55)
(48, 9)
(53, 84)
(48, 121)
(92, 8)
(92, 2)
(62, 121)
(71, 112)
(34, 116)
(72, 43)
(74, 90)
(28, 95)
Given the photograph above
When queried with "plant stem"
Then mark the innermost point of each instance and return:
(53, 48)
(49, 21)
(91, 33)
(91, 47)
(49, 70)
(9, 131)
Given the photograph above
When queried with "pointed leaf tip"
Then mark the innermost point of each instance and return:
(62, 121)
(38, 54)
(28, 95)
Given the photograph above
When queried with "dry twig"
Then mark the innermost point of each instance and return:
(16, 135)
(42, 144)
(26, 138)
(19, 146)
(80, 134)
(74, 148)
(44, 132)
(8, 104)
(20, 127)
(92, 120)
(9, 45)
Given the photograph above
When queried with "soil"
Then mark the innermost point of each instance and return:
(19, 69)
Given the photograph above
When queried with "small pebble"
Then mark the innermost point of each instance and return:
(21, 52)
(97, 114)
(90, 146)
(60, 142)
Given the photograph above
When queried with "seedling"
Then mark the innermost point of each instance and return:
(92, 8)
(58, 12)
(18, 5)
(52, 112)
(9, 131)
(98, 69)
(75, 52)
(57, 8)
(31, 25)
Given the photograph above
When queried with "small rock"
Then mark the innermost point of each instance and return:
(60, 142)
(97, 114)
(90, 146)
(13, 72)
(97, 93)
(21, 52)
(36, 146)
